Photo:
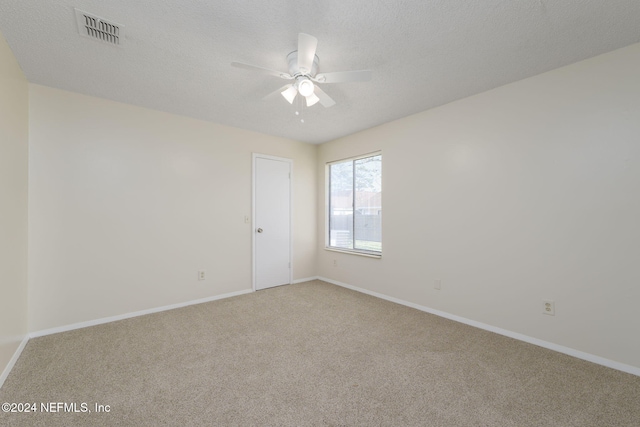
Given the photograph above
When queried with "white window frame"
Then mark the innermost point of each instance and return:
(327, 186)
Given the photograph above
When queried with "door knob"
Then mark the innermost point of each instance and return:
(259, 230)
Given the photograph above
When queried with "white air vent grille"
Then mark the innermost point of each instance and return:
(98, 28)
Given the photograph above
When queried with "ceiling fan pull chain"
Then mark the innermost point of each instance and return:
(301, 109)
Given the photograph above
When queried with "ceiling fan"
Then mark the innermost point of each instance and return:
(303, 70)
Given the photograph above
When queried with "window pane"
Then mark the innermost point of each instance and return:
(341, 205)
(368, 204)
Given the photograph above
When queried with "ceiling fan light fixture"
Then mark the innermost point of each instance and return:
(305, 87)
(289, 94)
(312, 100)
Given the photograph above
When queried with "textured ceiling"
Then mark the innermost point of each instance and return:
(423, 53)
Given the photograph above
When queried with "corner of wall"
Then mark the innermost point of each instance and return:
(14, 140)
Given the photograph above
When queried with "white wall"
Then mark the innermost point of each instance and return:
(127, 204)
(527, 192)
(14, 129)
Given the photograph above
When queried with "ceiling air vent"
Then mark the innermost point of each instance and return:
(98, 28)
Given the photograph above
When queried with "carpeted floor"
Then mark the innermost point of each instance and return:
(310, 354)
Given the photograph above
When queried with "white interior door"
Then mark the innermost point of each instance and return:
(272, 221)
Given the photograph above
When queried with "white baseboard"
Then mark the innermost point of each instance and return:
(13, 360)
(306, 279)
(134, 314)
(521, 337)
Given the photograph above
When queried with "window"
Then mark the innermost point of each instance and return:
(355, 204)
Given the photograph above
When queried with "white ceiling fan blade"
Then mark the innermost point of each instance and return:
(276, 92)
(312, 100)
(290, 93)
(263, 70)
(344, 76)
(306, 52)
(325, 99)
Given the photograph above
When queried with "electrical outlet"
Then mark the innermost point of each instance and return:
(437, 284)
(549, 307)
(335, 262)
(201, 274)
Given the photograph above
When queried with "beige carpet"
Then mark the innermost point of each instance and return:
(310, 354)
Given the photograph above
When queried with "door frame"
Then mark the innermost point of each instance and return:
(255, 156)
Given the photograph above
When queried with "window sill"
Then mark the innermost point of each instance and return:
(347, 251)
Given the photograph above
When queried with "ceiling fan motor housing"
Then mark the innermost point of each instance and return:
(292, 59)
